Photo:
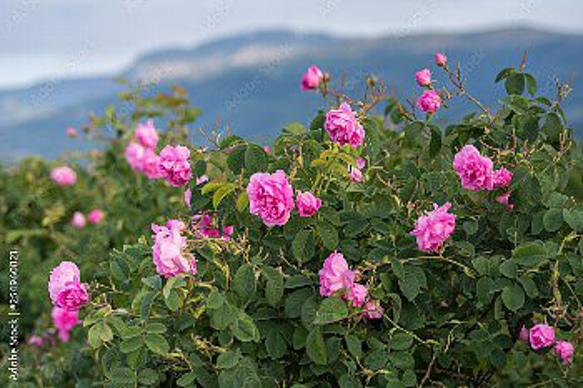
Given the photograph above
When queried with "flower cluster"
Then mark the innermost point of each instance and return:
(205, 226)
(141, 155)
(433, 228)
(476, 172)
(65, 287)
(94, 217)
(336, 276)
(543, 336)
(343, 126)
(169, 248)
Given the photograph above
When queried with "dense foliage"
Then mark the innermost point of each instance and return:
(247, 299)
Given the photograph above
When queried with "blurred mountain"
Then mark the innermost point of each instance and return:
(251, 82)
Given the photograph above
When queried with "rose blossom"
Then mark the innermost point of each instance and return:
(307, 204)
(429, 102)
(146, 134)
(335, 275)
(433, 228)
(96, 216)
(474, 170)
(205, 225)
(423, 77)
(149, 164)
(360, 163)
(65, 321)
(271, 197)
(502, 177)
(168, 250)
(565, 350)
(524, 334)
(373, 310)
(357, 294)
(173, 165)
(65, 288)
(64, 176)
(355, 174)
(343, 126)
(201, 179)
(541, 336)
(312, 78)
(78, 220)
(267, 150)
(440, 59)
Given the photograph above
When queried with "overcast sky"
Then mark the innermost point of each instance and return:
(47, 38)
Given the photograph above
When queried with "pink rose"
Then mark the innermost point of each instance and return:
(474, 170)
(429, 102)
(65, 321)
(335, 275)
(357, 294)
(64, 176)
(423, 77)
(360, 163)
(267, 150)
(355, 174)
(173, 165)
(65, 288)
(146, 134)
(71, 132)
(373, 310)
(187, 197)
(96, 216)
(271, 197)
(206, 226)
(78, 220)
(312, 78)
(134, 154)
(440, 59)
(168, 251)
(307, 204)
(503, 199)
(434, 228)
(502, 177)
(541, 336)
(565, 350)
(343, 127)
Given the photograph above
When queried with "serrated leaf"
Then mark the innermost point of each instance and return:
(315, 347)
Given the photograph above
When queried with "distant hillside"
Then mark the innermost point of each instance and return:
(252, 81)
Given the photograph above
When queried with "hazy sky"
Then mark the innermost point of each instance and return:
(47, 38)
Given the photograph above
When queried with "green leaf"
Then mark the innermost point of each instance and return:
(244, 328)
(530, 84)
(275, 344)
(331, 310)
(255, 159)
(172, 300)
(515, 83)
(401, 341)
(553, 220)
(157, 343)
(508, 269)
(146, 305)
(242, 202)
(156, 327)
(503, 74)
(148, 376)
(574, 218)
(299, 245)
(329, 234)
(130, 345)
(215, 300)
(513, 297)
(186, 379)
(274, 286)
(354, 345)
(228, 359)
(244, 283)
(223, 316)
(435, 143)
(93, 337)
(123, 377)
(315, 347)
(530, 254)
(221, 193)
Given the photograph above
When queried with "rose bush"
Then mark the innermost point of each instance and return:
(372, 247)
